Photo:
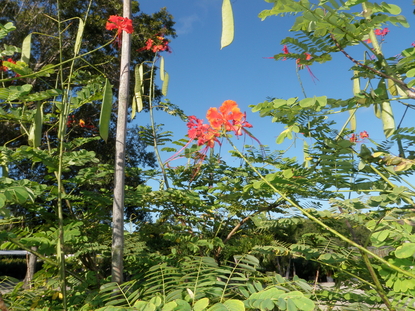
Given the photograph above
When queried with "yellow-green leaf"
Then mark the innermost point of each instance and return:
(201, 304)
(106, 108)
(227, 24)
(405, 250)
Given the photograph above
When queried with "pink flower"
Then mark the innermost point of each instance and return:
(382, 33)
(364, 135)
(357, 138)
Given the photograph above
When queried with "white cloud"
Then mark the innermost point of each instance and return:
(185, 24)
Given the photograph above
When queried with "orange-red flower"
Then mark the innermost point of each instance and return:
(204, 133)
(364, 134)
(229, 117)
(120, 23)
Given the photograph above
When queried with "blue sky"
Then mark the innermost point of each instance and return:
(203, 76)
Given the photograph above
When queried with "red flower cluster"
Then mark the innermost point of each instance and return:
(355, 138)
(159, 44)
(120, 23)
(228, 118)
(4, 68)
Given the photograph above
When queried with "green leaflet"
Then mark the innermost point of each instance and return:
(228, 305)
(227, 24)
(5, 29)
(405, 251)
(35, 132)
(26, 47)
(106, 107)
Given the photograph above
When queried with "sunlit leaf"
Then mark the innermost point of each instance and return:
(405, 250)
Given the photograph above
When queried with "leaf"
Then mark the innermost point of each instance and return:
(307, 102)
(4, 93)
(79, 35)
(227, 24)
(35, 132)
(169, 306)
(201, 304)
(406, 250)
(165, 84)
(411, 73)
(381, 235)
(106, 108)
(288, 173)
(228, 305)
(4, 30)
(26, 47)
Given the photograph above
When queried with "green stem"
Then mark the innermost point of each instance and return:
(60, 243)
(316, 220)
(378, 286)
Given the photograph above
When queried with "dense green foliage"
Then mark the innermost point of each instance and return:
(220, 237)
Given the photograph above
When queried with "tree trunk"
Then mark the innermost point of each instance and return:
(118, 204)
(30, 270)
